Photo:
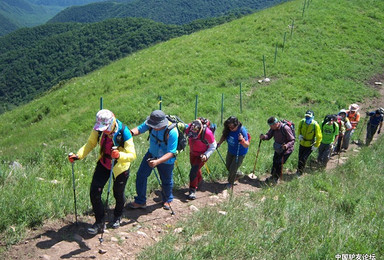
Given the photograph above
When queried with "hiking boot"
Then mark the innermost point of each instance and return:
(166, 205)
(96, 228)
(271, 181)
(115, 223)
(191, 195)
(134, 205)
(229, 186)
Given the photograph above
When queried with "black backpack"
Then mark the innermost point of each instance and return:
(175, 121)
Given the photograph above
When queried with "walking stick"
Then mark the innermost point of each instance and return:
(257, 155)
(282, 164)
(221, 157)
(109, 189)
(74, 189)
(361, 131)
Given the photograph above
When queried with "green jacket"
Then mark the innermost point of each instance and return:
(311, 133)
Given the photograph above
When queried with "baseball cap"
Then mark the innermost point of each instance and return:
(104, 120)
(309, 113)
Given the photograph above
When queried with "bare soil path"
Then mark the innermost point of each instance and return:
(62, 239)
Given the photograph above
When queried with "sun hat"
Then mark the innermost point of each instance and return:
(343, 111)
(104, 120)
(354, 107)
(157, 119)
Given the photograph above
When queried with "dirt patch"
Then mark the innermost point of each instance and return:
(141, 228)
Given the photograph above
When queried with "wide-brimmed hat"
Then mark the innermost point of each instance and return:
(354, 107)
(104, 120)
(157, 119)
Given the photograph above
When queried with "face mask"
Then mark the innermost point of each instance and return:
(308, 120)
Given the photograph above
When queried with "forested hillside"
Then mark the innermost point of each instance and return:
(6, 25)
(166, 11)
(15, 14)
(33, 60)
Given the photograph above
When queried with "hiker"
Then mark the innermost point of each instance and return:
(330, 131)
(283, 146)
(237, 139)
(309, 133)
(344, 125)
(108, 132)
(201, 145)
(161, 154)
(375, 121)
(354, 117)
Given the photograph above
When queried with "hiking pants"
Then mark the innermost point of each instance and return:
(347, 138)
(195, 176)
(371, 130)
(304, 153)
(338, 144)
(324, 154)
(166, 177)
(233, 165)
(99, 179)
(278, 162)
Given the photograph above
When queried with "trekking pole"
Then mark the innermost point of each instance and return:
(341, 145)
(221, 157)
(109, 189)
(361, 130)
(162, 191)
(257, 156)
(178, 169)
(206, 167)
(74, 188)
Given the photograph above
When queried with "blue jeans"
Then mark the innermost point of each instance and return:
(166, 176)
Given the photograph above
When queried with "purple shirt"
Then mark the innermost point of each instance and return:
(286, 138)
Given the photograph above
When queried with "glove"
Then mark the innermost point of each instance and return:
(261, 136)
(72, 157)
(314, 148)
(378, 132)
(115, 154)
(218, 145)
(301, 138)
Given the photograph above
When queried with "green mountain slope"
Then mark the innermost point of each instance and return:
(166, 11)
(26, 14)
(6, 25)
(333, 49)
(35, 59)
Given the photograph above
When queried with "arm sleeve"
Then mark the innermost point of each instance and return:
(269, 135)
(142, 128)
(89, 146)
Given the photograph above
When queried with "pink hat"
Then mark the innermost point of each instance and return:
(104, 120)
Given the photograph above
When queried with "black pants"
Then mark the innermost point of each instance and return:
(100, 178)
(278, 162)
(304, 153)
(371, 130)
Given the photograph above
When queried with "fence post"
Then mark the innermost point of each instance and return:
(160, 102)
(101, 103)
(241, 98)
(222, 107)
(265, 74)
(196, 106)
(274, 60)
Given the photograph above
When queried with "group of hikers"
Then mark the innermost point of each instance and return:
(117, 151)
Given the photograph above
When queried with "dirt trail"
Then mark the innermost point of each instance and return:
(59, 239)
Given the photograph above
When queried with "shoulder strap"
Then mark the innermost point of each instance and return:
(202, 135)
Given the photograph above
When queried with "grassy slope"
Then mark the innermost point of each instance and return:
(334, 48)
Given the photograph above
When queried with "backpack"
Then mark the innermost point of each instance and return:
(206, 123)
(328, 118)
(291, 126)
(174, 121)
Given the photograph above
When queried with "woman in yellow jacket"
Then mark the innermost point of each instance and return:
(108, 132)
(310, 136)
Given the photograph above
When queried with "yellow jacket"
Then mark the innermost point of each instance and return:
(127, 153)
(311, 133)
